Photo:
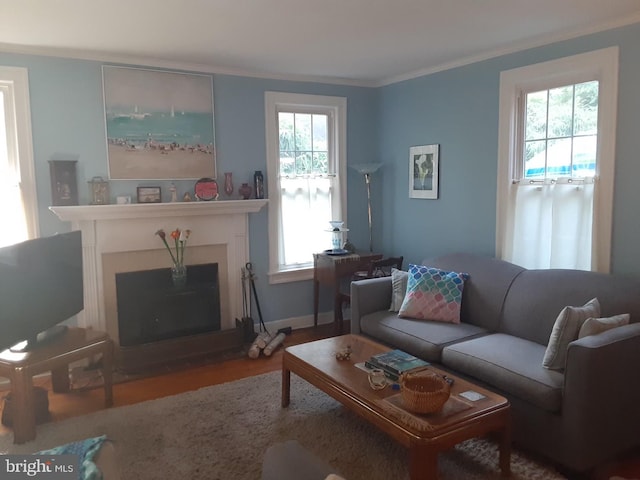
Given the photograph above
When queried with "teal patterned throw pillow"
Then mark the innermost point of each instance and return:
(433, 294)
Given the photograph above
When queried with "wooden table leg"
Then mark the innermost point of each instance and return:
(60, 379)
(24, 410)
(286, 386)
(505, 451)
(423, 463)
(107, 372)
(316, 301)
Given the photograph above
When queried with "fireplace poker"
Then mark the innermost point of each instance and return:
(249, 269)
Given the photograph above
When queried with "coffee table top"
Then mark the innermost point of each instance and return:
(342, 379)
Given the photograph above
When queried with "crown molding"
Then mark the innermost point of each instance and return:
(518, 47)
(140, 61)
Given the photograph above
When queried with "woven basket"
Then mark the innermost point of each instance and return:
(424, 391)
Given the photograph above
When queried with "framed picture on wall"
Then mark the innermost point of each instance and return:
(159, 124)
(424, 163)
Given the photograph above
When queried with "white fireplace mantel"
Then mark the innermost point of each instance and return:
(154, 210)
(129, 228)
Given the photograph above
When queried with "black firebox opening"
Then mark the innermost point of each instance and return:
(151, 309)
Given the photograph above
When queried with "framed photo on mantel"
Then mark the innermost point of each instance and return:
(424, 164)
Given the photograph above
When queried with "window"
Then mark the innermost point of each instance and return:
(18, 201)
(306, 161)
(556, 162)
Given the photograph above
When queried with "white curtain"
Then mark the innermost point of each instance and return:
(306, 210)
(552, 224)
(11, 206)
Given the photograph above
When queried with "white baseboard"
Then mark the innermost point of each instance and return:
(295, 322)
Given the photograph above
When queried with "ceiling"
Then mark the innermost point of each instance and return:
(362, 42)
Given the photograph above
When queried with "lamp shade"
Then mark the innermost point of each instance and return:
(365, 168)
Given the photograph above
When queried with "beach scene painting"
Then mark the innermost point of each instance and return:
(159, 124)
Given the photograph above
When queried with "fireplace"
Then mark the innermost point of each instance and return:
(121, 238)
(151, 309)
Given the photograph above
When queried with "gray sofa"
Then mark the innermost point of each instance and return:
(579, 417)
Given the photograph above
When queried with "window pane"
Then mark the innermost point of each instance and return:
(287, 163)
(586, 109)
(285, 126)
(535, 156)
(560, 111)
(303, 131)
(320, 133)
(4, 158)
(320, 163)
(303, 163)
(536, 123)
(584, 155)
(559, 158)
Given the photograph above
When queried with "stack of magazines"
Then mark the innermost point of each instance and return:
(395, 362)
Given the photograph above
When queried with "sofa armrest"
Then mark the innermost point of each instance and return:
(601, 392)
(368, 296)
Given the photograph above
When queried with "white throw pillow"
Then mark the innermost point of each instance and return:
(399, 280)
(593, 326)
(565, 331)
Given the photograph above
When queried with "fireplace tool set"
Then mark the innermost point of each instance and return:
(264, 342)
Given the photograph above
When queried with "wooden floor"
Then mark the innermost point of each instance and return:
(88, 396)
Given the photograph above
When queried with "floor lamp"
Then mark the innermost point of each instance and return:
(367, 169)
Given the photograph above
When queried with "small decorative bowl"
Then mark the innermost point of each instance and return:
(344, 354)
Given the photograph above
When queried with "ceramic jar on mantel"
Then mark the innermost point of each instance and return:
(245, 191)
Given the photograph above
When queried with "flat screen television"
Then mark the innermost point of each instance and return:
(40, 287)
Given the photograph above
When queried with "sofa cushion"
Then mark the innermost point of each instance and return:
(566, 330)
(423, 338)
(511, 364)
(433, 294)
(399, 280)
(593, 326)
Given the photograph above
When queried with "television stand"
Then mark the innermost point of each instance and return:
(54, 356)
(40, 339)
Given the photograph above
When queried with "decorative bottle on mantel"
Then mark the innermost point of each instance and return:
(258, 182)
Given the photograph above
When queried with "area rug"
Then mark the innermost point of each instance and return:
(223, 431)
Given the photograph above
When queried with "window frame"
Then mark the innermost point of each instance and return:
(14, 82)
(336, 107)
(601, 65)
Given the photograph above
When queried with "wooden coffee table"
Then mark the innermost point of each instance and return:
(424, 435)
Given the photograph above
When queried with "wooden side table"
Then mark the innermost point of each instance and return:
(329, 270)
(56, 355)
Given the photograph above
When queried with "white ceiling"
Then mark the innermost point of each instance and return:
(364, 42)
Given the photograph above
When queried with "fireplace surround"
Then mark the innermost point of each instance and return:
(121, 238)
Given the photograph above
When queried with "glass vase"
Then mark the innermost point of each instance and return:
(228, 183)
(179, 275)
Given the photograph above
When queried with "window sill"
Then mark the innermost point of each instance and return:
(287, 276)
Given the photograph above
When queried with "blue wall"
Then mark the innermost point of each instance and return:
(457, 109)
(68, 123)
